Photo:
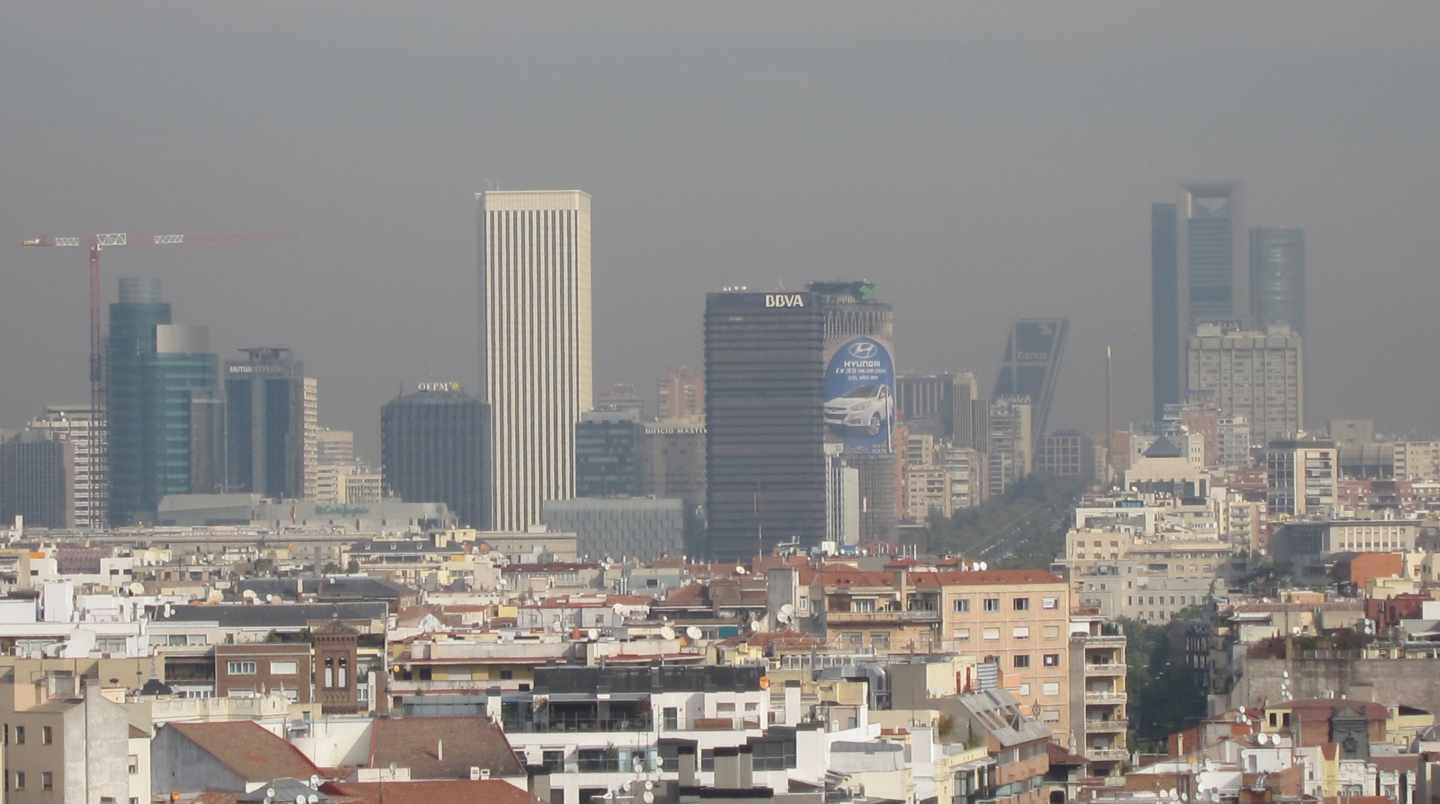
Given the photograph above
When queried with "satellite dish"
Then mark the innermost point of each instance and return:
(618, 609)
(248, 595)
(592, 634)
(739, 570)
(137, 588)
(299, 798)
(667, 632)
(269, 598)
(787, 611)
(648, 797)
(693, 632)
(649, 784)
(984, 565)
(315, 781)
(269, 792)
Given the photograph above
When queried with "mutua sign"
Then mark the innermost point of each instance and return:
(784, 300)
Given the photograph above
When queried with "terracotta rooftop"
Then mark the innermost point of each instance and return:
(248, 749)
(441, 747)
(459, 791)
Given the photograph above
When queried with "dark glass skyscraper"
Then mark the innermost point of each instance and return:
(1277, 278)
(265, 427)
(1030, 365)
(765, 463)
(156, 372)
(1166, 366)
(607, 454)
(433, 448)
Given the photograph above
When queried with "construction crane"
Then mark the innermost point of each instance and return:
(96, 243)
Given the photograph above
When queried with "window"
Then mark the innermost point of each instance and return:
(1052, 632)
(507, 675)
(1021, 603)
(992, 604)
(962, 634)
(1050, 688)
(340, 678)
(725, 708)
(992, 633)
(284, 668)
(1049, 602)
(47, 780)
(670, 716)
(554, 761)
(880, 640)
(1021, 632)
(240, 668)
(19, 735)
(1022, 660)
(47, 736)
(960, 605)
(1052, 660)
(133, 765)
(19, 780)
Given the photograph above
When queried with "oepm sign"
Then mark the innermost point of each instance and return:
(860, 395)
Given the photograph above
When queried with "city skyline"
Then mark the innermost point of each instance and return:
(962, 244)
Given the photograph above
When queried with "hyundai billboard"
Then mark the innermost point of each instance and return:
(860, 395)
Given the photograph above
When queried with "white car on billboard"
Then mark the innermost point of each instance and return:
(865, 407)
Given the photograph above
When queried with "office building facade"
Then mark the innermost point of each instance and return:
(265, 431)
(158, 374)
(1030, 365)
(1199, 252)
(37, 474)
(1302, 477)
(1012, 443)
(91, 485)
(946, 405)
(640, 528)
(1277, 278)
(607, 455)
(681, 392)
(433, 448)
(1255, 375)
(535, 345)
(334, 447)
(764, 456)
(1067, 455)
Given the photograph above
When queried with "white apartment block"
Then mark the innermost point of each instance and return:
(1257, 375)
(91, 488)
(310, 443)
(535, 344)
(1417, 460)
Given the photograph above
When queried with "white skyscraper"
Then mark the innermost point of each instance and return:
(534, 344)
(310, 435)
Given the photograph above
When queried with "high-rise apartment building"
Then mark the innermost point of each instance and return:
(1257, 375)
(160, 377)
(672, 464)
(535, 345)
(607, 454)
(621, 397)
(310, 439)
(1302, 477)
(37, 474)
(1199, 261)
(1012, 443)
(859, 394)
(681, 392)
(1417, 460)
(1067, 454)
(765, 463)
(265, 423)
(1030, 365)
(91, 485)
(433, 449)
(969, 476)
(946, 405)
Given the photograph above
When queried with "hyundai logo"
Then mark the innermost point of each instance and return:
(862, 349)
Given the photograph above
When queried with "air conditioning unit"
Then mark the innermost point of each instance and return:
(474, 774)
(484, 773)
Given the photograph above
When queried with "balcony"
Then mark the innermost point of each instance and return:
(1105, 669)
(1104, 696)
(881, 617)
(1106, 754)
(577, 726)
(1106, 726)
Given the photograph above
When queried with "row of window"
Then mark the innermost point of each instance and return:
(1049, 688)
(1018, 632)
(47, 736)
(47, 781)
(246, 667)
(961, 605)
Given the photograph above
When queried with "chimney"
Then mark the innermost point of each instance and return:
(685, 752)
(746, 761)
(539, 783)
(440, 750)
(792, 703)
(727, 768)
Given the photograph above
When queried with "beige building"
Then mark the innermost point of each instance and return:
(1098, 700)
(927, 489)
(310, 435)
(1257, 375)
(1012, 443)
(63, 742)
(1018, 619)
(535, 344)
(1417, 460)
(1302, 477)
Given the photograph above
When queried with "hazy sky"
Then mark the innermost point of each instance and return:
(980, 162)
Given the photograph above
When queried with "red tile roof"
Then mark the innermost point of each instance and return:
(248, 749)
(442, 747)
(1014, 577)
(489, 791)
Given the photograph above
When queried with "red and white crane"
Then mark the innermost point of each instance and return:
(96, 243)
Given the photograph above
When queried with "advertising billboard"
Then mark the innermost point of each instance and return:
(860, 395)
